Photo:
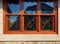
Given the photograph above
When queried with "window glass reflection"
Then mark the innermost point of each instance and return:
(30, 23)
(47, 7)
(13, 6)
(30, 7)
(46, 22)
(13, 22)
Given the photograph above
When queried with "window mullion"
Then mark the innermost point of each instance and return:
(22, 23)
(56, 16)
(22, 7)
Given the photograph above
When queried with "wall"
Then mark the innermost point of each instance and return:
(29, 42)
(28, 37)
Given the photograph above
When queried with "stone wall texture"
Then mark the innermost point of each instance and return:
(29, 42)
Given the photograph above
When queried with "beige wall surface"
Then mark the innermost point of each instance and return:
(28, 37)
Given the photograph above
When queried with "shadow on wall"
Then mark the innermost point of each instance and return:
(1, 2)
(58, 3)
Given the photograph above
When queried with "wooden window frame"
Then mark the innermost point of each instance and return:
(38, 14)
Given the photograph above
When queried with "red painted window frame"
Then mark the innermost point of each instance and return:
(38, 14)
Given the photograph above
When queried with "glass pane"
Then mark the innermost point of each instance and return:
(47, 7)
(46, 22)
(30, 0)
(30, 7)
(13, 22)
(30, 23)
(13, 6)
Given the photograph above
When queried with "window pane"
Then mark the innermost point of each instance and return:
(30, 0)
(13, 22)
(30, 23)
(46, 22)
(30, 7)
(13, 6)
(47, 7)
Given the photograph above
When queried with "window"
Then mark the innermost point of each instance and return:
(47, 7)
(13, 22)
(46, 22)
(13, 6)
(30, 17)
(30, 23)
(30, 7)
